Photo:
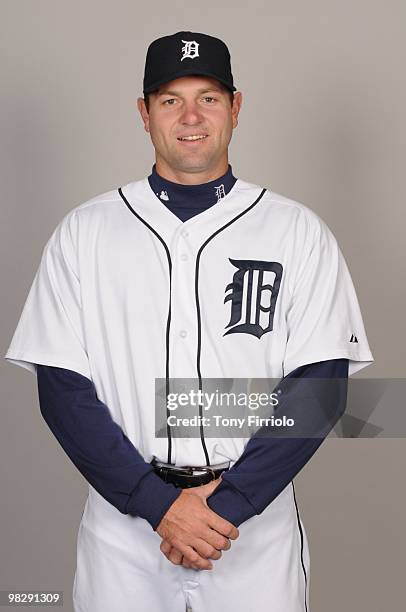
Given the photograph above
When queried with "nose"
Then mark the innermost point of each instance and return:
(191, 114)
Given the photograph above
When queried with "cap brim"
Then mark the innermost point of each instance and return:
(191, 72)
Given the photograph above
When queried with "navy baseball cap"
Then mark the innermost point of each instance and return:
(186, 54)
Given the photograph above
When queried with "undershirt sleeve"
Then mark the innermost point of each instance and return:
(98, 447)
(109, 461)
(269, 464)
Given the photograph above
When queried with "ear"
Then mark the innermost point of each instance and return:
(144, 113)
(237, 102)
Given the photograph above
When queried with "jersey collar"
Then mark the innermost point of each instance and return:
(149, 207)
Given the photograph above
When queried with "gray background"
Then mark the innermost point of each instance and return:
(322, 122)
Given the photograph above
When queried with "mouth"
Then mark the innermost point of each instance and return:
(193, 138)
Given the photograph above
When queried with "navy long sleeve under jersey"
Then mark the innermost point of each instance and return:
(268, 464)
(110, 462)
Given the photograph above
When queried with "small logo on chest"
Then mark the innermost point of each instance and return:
(253, 294)
(220, 192)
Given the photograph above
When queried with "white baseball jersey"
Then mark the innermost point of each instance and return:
(255, 286)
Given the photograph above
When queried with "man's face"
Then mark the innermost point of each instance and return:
(185, 107)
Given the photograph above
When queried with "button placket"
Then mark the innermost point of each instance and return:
(181, 255)
(183, 306)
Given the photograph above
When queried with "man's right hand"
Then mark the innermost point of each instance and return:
(194, 530)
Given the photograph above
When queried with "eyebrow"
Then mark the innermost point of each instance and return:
(169, 92)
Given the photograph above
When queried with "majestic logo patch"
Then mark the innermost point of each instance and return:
(191, 49)
(249, 315)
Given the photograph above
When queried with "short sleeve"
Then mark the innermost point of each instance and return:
(50, 328)
(324, 320)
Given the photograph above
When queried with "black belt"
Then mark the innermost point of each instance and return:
(188, 476)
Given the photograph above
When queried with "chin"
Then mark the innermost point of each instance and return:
(192, 164)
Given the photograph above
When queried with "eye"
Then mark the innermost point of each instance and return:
(209, 98)
(169, 100)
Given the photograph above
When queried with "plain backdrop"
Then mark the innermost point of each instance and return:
(323, 122)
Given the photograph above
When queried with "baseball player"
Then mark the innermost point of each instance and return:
(187, 273)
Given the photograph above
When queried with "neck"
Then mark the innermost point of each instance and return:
(190, 178)
(185, 201)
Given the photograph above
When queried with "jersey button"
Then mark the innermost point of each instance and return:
(184, 257)
(183, 333)
(184, 233)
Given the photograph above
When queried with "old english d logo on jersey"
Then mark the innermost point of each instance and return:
(220, 192)
(249, 314)
(191, 49)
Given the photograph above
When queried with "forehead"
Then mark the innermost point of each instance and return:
(190, 84)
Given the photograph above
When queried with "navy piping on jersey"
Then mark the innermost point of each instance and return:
(168, 323)
(199, 323)
(168, 428)
(301, 545)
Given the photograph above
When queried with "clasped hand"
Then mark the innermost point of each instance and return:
(191, 532)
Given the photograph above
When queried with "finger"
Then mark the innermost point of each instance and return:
(222, 526)
(191, 555)
(204, 491)
(175, 556)
(218, 541)
(210, 486)
(165, 547)
(205, 550)
(213, 538)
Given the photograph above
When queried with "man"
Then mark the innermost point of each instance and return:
(189, 273)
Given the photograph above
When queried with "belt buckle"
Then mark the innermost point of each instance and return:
(171, 468)
(205, 470)
(189, 469)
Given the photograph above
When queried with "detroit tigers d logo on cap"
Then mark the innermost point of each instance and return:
(186, 54)
(247, 289)
(191, 49)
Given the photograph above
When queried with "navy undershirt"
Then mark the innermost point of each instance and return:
(110, 462)
(186, 201)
